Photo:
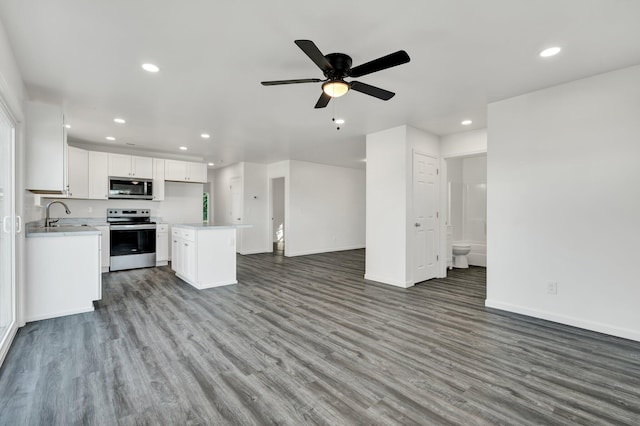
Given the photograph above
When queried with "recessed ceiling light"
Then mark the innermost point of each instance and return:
(552, 51)
(68, 126)
(466, 122)
(205, 136)
(339, 121)
(210, 164)
(150, 67)
(119, 120)
(183, 148)
(110, 138)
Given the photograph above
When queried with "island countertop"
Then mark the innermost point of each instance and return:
(207, 226)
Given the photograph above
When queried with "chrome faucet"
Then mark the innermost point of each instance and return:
(47, 219)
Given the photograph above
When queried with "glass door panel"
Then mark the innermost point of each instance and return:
(7, 231)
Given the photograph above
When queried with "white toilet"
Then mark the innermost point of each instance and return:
(460, 252)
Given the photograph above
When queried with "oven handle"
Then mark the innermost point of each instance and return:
(131, 227)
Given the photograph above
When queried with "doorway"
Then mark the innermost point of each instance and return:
(466, 178)
(277, 215)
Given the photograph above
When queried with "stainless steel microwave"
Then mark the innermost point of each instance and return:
(128, 188)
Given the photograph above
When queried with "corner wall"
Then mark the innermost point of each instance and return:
(326, 208)
(563, 203)
(389, 203)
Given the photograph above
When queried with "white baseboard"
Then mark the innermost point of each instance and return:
(318, 251)
(254, 251)
(60, 314)
(389, 281)
(477, 259)
(7, 343)
(625, 333)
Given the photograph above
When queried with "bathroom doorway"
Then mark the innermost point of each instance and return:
(467, 208)
(277, 215)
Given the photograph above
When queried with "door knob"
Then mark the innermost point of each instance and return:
(417, 225)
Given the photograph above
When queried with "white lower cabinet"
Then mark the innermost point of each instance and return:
(162, 245)
(204, 256)
(63, 275)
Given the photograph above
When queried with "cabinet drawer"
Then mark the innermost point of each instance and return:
(188, 234)
(176, 233)
(162, 228)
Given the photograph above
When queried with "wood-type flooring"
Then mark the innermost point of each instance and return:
(307, 340)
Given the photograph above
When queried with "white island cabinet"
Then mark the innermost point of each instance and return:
(204, 255)
(63, 271)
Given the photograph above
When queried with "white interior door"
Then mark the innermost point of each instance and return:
(426, 217)
(7, 234)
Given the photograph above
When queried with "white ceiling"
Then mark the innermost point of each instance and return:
(86, 55)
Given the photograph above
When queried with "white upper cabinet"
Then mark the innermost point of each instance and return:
(121, 165)
(158, 179)
(98, 175)
(175, 170)
(197, 172)
(45, 148)
(78, 174)
(142, 167)
(185, 171)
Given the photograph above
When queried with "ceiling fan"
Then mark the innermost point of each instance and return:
(337, 66)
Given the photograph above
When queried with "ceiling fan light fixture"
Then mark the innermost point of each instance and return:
(335, 88)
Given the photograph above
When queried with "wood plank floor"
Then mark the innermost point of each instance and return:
(307, 340)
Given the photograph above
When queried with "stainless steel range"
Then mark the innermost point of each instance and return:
(133, 239)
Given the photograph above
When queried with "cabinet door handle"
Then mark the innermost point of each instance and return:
(19, 224)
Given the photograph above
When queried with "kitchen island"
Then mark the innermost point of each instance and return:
(204, 255)
(63, 275)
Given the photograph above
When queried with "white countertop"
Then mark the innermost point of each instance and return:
(207, 226)
(61, 231)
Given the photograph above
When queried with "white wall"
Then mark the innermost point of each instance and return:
(182, 204)
(326, 208)
(465, 143)
(389, 203)
(564, 203)
(455, 179)
(255, 204)
(222, 194)
(255, 210)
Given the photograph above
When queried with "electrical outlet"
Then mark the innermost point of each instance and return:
(552, 287)
(90, 209)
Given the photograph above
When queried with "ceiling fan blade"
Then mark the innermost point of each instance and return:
(370, 90)
(314, 54)
(323, 101)
(394, 59)
(303, 80)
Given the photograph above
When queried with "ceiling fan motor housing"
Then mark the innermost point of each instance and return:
(341, 64)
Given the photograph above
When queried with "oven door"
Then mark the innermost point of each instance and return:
(132, 246)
